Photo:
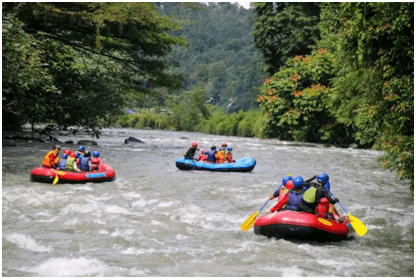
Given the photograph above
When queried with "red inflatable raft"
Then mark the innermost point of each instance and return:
(47, 175)
(301, 225)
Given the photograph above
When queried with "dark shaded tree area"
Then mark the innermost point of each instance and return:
(77, 63)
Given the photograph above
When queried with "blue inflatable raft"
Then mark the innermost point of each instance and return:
(240, 165)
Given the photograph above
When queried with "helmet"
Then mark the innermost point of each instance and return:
(221, 149)
(73, 155)
(286, 179)
(68, 152)
(323, 178)
(230, 148)
(65, 156)
(194, 144)
(95, 153)
(202, 151)
(77, 155)
(56, 147)
(298, 182)
(213, 148)
(289, 185)
(87, 154)
(81, 148)
(223, 144)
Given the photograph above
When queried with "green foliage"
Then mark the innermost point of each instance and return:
(283, 30)
(77, 63)
(374, 86)
(221, 57)
(296, 101)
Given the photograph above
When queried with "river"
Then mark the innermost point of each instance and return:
(155, 220)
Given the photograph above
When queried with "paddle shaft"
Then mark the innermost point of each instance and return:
(342, 206)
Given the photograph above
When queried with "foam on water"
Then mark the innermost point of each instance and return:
(74, 267)
(26, 242)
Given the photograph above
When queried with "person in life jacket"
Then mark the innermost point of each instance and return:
(285, 179)
(81, 150)
(95, 160)
(190, 153)
(229, 155)
(51, 158)
(292, 198)
(62, 163)
(212, 154)
(70, 163)
(324, 209)
(202, 156)
(315, 195)
(85, 162)
(78, 156)
(221, 156)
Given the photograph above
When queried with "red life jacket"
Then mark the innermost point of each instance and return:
(322, 208)
(95, 162)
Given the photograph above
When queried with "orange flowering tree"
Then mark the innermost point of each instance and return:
(295, 99)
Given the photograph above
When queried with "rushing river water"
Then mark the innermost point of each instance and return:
(155, 220)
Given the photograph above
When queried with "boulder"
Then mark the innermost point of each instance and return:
(133, 139)
(87, 143)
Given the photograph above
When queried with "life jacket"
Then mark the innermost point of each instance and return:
(62, 164)
(322, 208)
(95, 162)
(202, 157)
(83, 164)
(283, 191)
(70, 164)
(211, 155)
(295, 197)
(221, 157)
(49, 159)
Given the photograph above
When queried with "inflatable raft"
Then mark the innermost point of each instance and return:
(47, 175)
(240, 165)
(301, 225)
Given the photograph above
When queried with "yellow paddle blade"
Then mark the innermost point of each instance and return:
(249, 222)
(359, 227)
(55, 181)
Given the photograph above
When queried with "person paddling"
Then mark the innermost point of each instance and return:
(190, 153)
(51, 158)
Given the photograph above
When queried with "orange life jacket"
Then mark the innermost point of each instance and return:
(50, 159)
(220, 157)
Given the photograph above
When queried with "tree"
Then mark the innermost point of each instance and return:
(283, 30)
(374, 88)
(87, 52)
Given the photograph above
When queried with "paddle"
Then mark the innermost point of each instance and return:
(55, 181)
(252, 219)
(358, 226)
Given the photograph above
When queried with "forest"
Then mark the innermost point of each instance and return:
(332, 73)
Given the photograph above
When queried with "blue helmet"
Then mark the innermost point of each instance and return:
(323, 178)
(286, 179)
(64, 156)
(81, 148)
(221, 149)
(298, 182)
(95, 153)
(77, 155)
(230, 148)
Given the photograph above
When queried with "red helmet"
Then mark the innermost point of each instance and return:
(202, 151)
(289, 185)
(73, 155)
(68, 152)
(194, 144)
(223, 144)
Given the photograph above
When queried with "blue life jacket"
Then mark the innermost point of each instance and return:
(294, 200)
(211, 155)
(62, 164)
(83, 163)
